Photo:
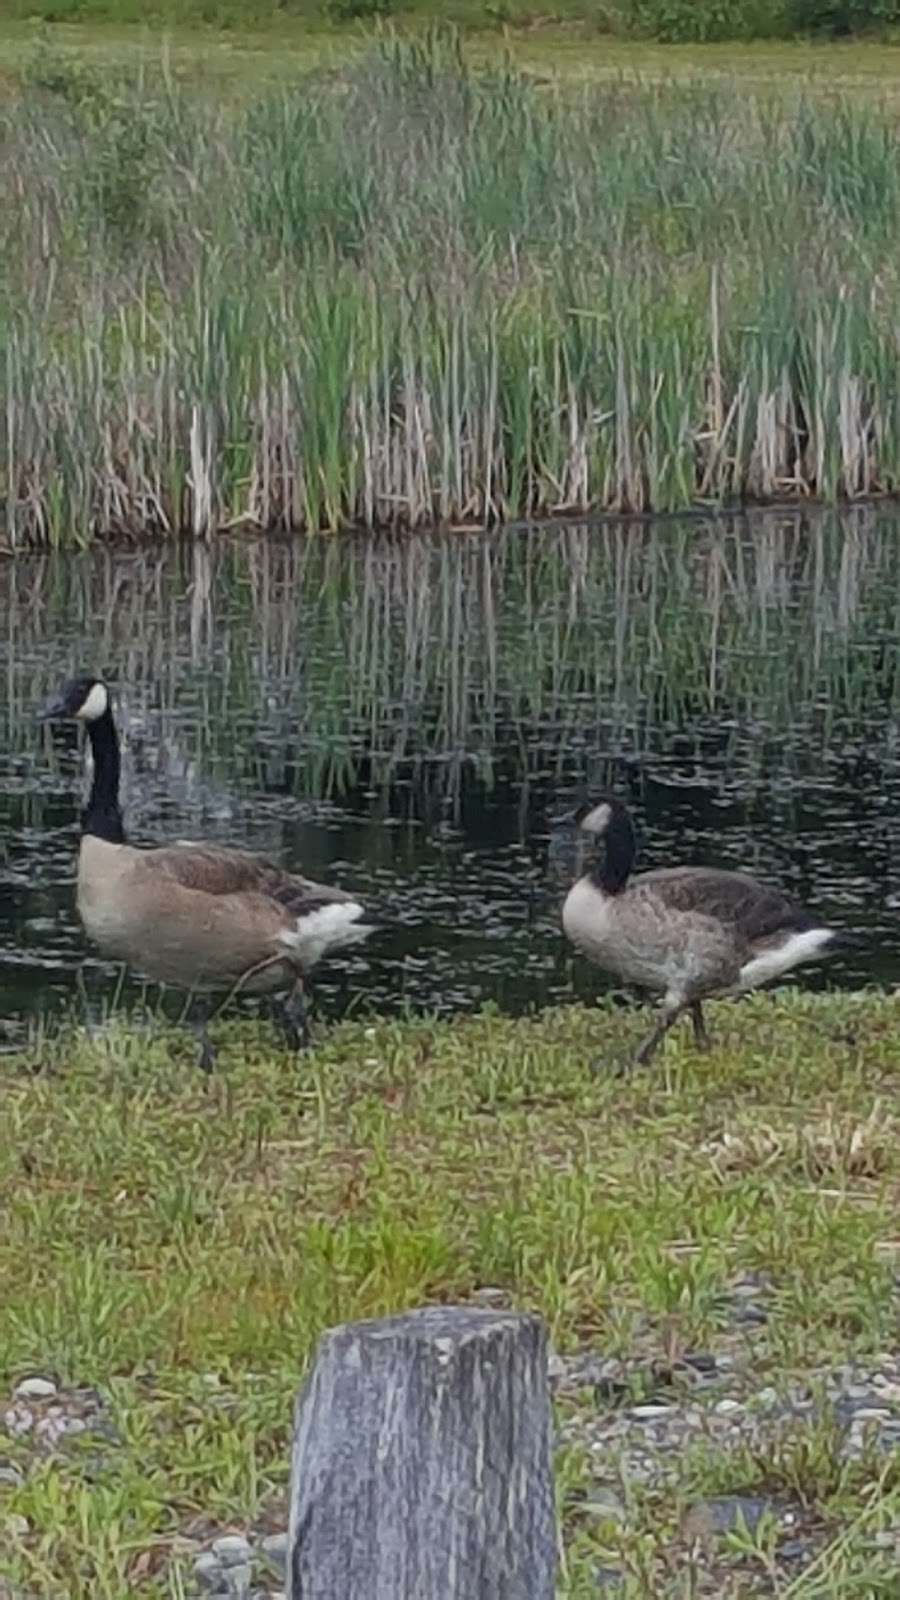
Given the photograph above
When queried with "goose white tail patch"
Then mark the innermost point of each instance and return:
(772, 963)
(331, 927)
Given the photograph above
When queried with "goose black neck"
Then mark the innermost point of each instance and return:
(102, 817)
(611, 871)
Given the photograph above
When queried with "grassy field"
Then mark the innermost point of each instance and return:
(256, 54)
(178, 1244)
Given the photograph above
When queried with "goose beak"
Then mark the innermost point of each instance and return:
(53, 710)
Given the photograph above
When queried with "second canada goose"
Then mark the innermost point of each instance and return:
(687, 933)
(197, 916)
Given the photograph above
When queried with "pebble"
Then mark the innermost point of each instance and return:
(34, 1389)
(51, 1429)
(726, 1407)
(275, 1549)
(17, 1527)
(18, 1420)
(724, 1514)
(11, 1476)
(702, 1362)
(208, 1572)
(645, 1413)
(608, 1578)
(794, 1550)
(750, 1314)
(237, 1582)
(232, 1550)
(556, 1368)
(604, 1503)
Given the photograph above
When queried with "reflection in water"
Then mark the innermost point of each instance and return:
(402, 716)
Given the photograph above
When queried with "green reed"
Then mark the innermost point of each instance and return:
(417, 294)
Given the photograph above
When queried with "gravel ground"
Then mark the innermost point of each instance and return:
(634, 1418)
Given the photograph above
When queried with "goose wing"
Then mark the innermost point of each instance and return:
(218, 871)
(753, 910)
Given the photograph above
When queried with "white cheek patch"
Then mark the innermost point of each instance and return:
(597, 821)
(95, 704)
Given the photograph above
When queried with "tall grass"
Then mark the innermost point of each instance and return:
(411, 294)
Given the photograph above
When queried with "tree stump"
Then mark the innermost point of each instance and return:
(421, 1463)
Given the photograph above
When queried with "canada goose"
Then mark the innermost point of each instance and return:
(197, 916)
(686, 932)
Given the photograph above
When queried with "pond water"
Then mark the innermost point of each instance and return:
(404, 717)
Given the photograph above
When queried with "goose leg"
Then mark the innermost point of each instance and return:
(198, 1024)
(293, 1017)
(645, 1049)
(701, 1037)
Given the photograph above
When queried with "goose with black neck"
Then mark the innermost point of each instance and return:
(686, 933)
(198, 917)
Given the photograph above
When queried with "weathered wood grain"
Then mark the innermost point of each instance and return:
(421, 1464)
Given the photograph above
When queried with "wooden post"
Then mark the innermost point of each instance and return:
(421, 1465)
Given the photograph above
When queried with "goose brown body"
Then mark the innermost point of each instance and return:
(197, 916)
(205, 918)
(687, 933)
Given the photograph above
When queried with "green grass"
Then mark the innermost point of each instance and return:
(671, 21)
(412, 291)
(257, 54)
(170, 1239)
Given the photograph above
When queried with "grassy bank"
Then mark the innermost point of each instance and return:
(409, 292)
(174, 1246)
(668, 20)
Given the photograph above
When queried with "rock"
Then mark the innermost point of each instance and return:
(726, 1408)
(232, 1550)
(75, 1425)
(859, 1402)
(11, 1475)
(18, 1420)
(702, 1362)
(275, 1547)
(237, 1582)
(604, 1503)
(17, 1527)
(611, 1391)
(724, 1514)
(209, 1573)
(794, 1550)
(648, 1412)
(608, 1578)
(51, 1429)
(750, 1314)
(556, 1367)
(766, 1397)
(34, 1389)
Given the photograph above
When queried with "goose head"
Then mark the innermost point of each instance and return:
(84, 699)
